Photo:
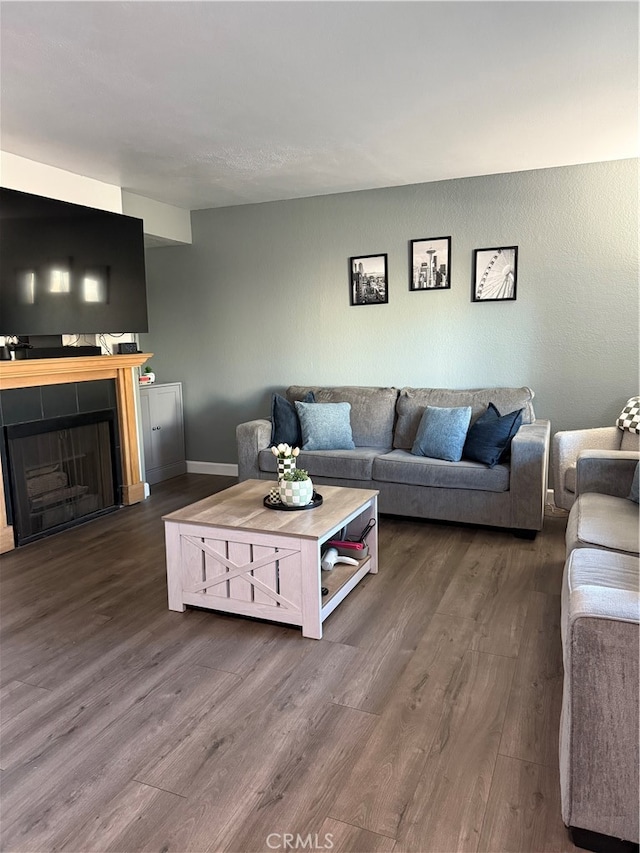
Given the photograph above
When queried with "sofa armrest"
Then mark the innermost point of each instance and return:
(251, 438)
(599, 726)
(607, 472)
(567, 446)
(528, 484)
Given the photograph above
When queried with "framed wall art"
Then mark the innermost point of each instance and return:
(430, 263)
(495, 274)
(368, 281)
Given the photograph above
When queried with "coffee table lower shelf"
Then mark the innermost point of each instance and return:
(340, 581)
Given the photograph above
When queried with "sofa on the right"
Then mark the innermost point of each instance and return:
(600, 621)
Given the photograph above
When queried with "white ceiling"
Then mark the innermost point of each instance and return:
(206, 104)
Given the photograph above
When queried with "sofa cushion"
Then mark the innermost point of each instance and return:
(325, 426)
(285, 423)
(570, 480)
(338, 464)
(593, 567)
(400, 466)
(442, 432)
(489, 438)
(413, 401)
(372, 410)
(603, 521)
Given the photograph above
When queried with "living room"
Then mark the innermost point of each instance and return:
(528, 142)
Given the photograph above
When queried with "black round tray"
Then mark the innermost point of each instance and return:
(316, 500)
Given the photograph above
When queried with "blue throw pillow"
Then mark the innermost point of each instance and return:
(633, 494)
(285, 424)
(489, 439)
(442, 432)
(325, 426)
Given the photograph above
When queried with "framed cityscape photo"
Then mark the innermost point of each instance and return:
(368, 280)
(495, 274)
(430, 263)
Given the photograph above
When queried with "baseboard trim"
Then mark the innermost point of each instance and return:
(224, 469)
(550, 508)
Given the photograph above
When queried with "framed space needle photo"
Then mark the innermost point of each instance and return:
(495, 274)
(430, 263)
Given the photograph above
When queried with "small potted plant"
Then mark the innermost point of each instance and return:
(147, 377)
(296, 489)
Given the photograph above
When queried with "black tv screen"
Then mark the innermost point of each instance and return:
(67, 269)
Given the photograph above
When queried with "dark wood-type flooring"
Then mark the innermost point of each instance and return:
(426, 719)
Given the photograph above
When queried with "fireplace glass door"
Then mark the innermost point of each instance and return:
(62, 472)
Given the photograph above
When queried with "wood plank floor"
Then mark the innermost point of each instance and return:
(426, 719)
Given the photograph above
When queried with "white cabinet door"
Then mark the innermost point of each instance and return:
(163, 431)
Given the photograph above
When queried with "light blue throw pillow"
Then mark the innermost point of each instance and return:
(633, 494)
(325, 426)
(442, 433)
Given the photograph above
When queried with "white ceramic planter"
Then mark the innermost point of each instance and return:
(296, 492)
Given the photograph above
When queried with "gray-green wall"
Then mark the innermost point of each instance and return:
(261, 299)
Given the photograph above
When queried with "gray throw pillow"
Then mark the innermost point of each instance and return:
(633, 494)
(325, 426)
(442, 433)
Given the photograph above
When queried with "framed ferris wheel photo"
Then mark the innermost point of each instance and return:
(495, 274)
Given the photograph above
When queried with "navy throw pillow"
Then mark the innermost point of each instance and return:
(285, 424)
(489, 439)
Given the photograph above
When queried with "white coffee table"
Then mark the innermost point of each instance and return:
(230, 553)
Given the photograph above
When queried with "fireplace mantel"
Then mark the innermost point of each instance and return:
(27, 373)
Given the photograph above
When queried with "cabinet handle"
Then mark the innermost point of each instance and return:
(153, 429)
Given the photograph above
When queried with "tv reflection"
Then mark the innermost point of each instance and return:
(38, 286)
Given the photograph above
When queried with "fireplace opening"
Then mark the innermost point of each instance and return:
(62, 472)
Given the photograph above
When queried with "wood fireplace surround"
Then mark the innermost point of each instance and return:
(28, 373)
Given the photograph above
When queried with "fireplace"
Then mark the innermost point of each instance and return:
(82, 372)
(62, 471)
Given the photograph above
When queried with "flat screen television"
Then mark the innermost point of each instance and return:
(67, 269)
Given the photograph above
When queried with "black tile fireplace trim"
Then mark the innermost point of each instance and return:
(41, 402)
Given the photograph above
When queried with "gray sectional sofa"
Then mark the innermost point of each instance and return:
(384, 423)
(599, 756)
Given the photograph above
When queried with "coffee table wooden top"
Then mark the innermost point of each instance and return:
(241, 506)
